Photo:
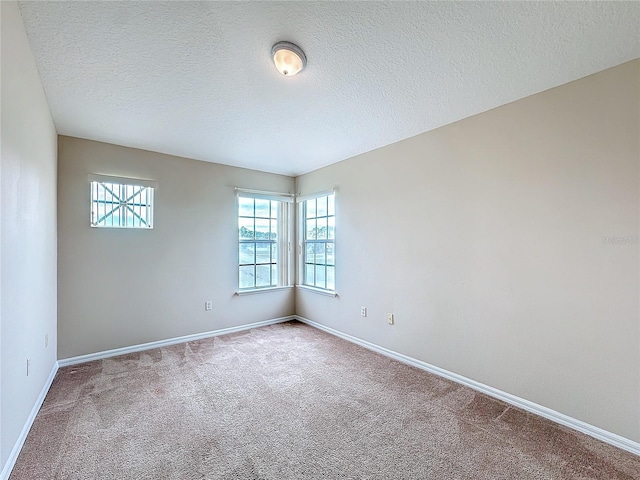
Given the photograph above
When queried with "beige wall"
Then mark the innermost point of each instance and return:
(118, 287)
(506, 245)
(28, 232)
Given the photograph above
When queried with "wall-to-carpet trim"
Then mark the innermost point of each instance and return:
(6, 471)
(163, 343)
(596, 432)
(579, 425)
(13, 456)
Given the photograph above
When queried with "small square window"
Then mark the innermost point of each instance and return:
(121, 205)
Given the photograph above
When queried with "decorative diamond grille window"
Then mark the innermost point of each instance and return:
(121, 203)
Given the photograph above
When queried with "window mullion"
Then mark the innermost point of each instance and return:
(255, 247)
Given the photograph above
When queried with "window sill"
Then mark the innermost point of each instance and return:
(329, 293)
(241, 293)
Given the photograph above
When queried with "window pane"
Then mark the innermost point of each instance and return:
(322, 228)
(320, 253)
(322, 207)
(262, 208)
(247, 277)
(245, 207)
(331, 208)
(310, 206)
(263, 253)
(331, 280)
(310, 253)
(274, 275)
(274, 209)
(126, 213)
(311, 229)
(331, 228)
(273, 235)
(274, 253)
(245, 228)
(246, 253)
(309, 277)
(131, 191)
(262, 229)
(330, 255)
(320, 276)
(263, 275)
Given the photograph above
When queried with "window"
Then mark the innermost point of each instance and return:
(121, 202)
(263, 247)
(318, 233)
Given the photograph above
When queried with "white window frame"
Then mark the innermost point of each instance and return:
(302, 243)
(285, 234)
(128, 203)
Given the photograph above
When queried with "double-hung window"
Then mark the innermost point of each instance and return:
(318, 242)
(118, 202)
(263, 240)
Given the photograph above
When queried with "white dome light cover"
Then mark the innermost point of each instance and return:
(288, 58)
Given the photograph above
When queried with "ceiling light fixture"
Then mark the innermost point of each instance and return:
(288, 58)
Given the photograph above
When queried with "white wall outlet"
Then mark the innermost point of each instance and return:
(208, 305)
(363, 311)
(28, 366)
(390, 318)
(46, 340)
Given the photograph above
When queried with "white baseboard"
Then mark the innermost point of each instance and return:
(593, 431)
(567, 421)
(163, 343)
(13, 456)
(6, 471)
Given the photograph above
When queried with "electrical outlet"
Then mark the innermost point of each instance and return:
(390, 318)
(208, 305)
(28, 366)
(46, 340)
(363, 311)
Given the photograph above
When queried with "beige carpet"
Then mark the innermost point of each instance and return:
(291, 402)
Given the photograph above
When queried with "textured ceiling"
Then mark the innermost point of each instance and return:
(195, 79)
